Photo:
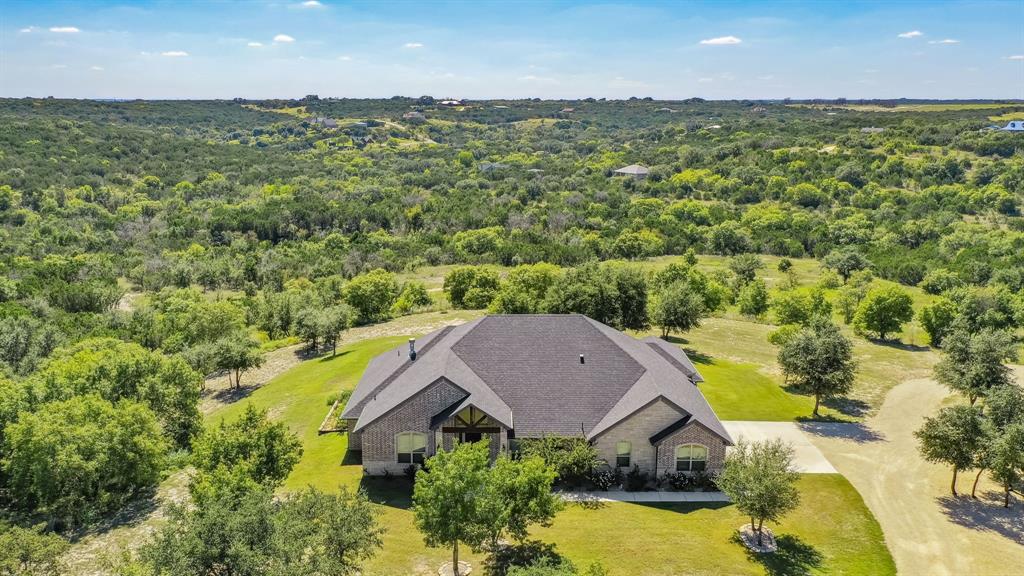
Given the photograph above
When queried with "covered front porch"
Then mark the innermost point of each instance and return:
(463, 422)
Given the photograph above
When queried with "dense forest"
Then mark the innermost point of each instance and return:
(118, 218)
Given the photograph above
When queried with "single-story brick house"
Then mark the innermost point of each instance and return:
(509, 377)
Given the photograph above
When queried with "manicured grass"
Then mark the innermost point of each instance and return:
(741, 392)
(832, 532)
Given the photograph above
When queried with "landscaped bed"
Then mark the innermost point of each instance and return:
(832, 531)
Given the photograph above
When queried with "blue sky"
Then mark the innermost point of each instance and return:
(206, 49)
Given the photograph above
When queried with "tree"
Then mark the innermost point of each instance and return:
(753, 299)
(973, 363)
(524, 289)
(1006, 459)
(471, 286)
(677, 308)
(952, 437)
(414, 295)
(76, 459)
(883, 311)
(323, 325)
(446, 506)
(237, 527)
(937, 320)
(31, 551)
(518, 494)
(611, 294)
(819, 360)
(266, 450)
(759, 478)
(372, 295)
(116, 370)
(237, 353)
(846, 261)
(745, 267)
(799, 306)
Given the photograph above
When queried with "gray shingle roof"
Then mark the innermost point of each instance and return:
(529, 366)
(633, 169)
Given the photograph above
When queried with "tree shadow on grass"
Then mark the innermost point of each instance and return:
(327, 356)
(393, 491)
(507, 556)
(896, 344)
(986, 514)
(232, 395)
(793, 558)
(698, 357)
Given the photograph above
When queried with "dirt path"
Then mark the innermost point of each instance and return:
(927, 530)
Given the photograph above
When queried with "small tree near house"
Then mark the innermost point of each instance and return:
(759, 478)
(446, 503)
(819, 360)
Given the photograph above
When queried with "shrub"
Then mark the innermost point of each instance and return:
(635, 481)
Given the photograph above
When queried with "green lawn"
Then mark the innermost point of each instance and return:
(741, 392)
(832, 532)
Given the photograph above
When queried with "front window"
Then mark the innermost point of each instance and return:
(411, 447)
(691, 458)
(622, 453)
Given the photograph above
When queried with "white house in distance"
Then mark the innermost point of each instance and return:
(635, 170)
(1014, 126)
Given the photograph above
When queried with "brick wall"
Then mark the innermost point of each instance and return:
(692, 433)
(378, 438)
(637, 429)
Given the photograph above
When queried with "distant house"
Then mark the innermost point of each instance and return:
(324, 122)
(664, 110)
(507, 379)
(871, 130)
(490, 166)
(567, 110)
(414, 116)
(1014, 126)
(635, 170)
(450, 102)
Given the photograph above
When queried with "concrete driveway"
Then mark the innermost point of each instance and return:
(807, 458)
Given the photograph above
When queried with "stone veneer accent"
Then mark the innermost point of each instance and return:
(637, 429)
(692, 433)
(378, 438)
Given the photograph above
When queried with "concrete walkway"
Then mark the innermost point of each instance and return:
(622, 496)
(808, 459)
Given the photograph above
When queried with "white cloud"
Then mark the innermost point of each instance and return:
(944, 41)
(345, 58)
(721, 41)
(413, 45)
(96, 68)
(27, 29)
(705, 80)
(1016, 57)
(65, 30)
(283, 38)
(311, 4)
(766, 77)
(254, 44)
(174, 53)
(911, 34)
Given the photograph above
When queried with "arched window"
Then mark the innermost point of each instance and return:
(411, 447)
(691, 458)
(623, 450)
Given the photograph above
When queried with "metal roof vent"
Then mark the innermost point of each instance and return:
(412, 349)
(582, 359)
